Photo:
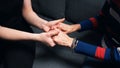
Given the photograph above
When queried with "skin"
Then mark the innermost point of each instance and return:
(34, 20)
(15, 35)
(66, 28)
(63, 39)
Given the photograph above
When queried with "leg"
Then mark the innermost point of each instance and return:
(19, 55)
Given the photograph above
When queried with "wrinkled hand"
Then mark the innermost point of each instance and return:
(63, 39)
(48, 26)
(46, 37)
(66, 28)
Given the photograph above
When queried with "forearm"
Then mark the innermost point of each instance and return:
(31, 16)
(96, 21)
(12, 34)
(98, 52)
(75, 27)
(89, 23)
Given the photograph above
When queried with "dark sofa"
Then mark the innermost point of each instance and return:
(73, 11)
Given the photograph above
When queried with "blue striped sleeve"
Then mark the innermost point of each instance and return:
(85, 48)
(97, 52)
(90, 23)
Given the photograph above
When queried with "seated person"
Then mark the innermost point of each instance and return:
(109, 21)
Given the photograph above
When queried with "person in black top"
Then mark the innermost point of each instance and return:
(17, 46)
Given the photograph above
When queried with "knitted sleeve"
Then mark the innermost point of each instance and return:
(94, 22)
(98, 52)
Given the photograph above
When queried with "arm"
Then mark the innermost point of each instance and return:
(96, 21)
(88, 24)
(34, 19)
(88, 49)
(12, 34)
(91, 23)
(16, 35)
(31, 16)
(107, 54)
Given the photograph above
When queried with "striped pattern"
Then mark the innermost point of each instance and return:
(94, 22)
(100, 52)
(110, 17)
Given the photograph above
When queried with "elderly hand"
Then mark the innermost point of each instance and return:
(63, 39)
(48, 26)
(66, 28)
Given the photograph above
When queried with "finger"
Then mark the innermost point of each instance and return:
(53, 32)
(62, 20)
(62, 30)
(65, 32)
(55, 39)
(58, 21)
(52, 44)
(60, 26)
(53, 27)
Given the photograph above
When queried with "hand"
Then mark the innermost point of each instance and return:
(67, 28)
(48, 26)
(46, 37)
(63, 39)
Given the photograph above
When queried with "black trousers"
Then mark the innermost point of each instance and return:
(17, 54)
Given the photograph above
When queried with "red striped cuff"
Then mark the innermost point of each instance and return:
(100, 53)
(94, 22)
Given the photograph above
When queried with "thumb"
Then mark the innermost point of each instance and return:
(52, 44)
(53, 32)
(55, 22)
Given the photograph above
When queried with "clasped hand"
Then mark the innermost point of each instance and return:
(56, 35)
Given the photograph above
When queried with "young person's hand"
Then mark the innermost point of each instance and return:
(46, 37)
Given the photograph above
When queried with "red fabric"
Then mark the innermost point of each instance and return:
(100, 52)
(94, 22)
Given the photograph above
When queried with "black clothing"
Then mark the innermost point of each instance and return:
(15, 54)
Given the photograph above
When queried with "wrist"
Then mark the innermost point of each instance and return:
(70, 42)
(74, 43)
(42, 24)
(35, 37)
(75, 27)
